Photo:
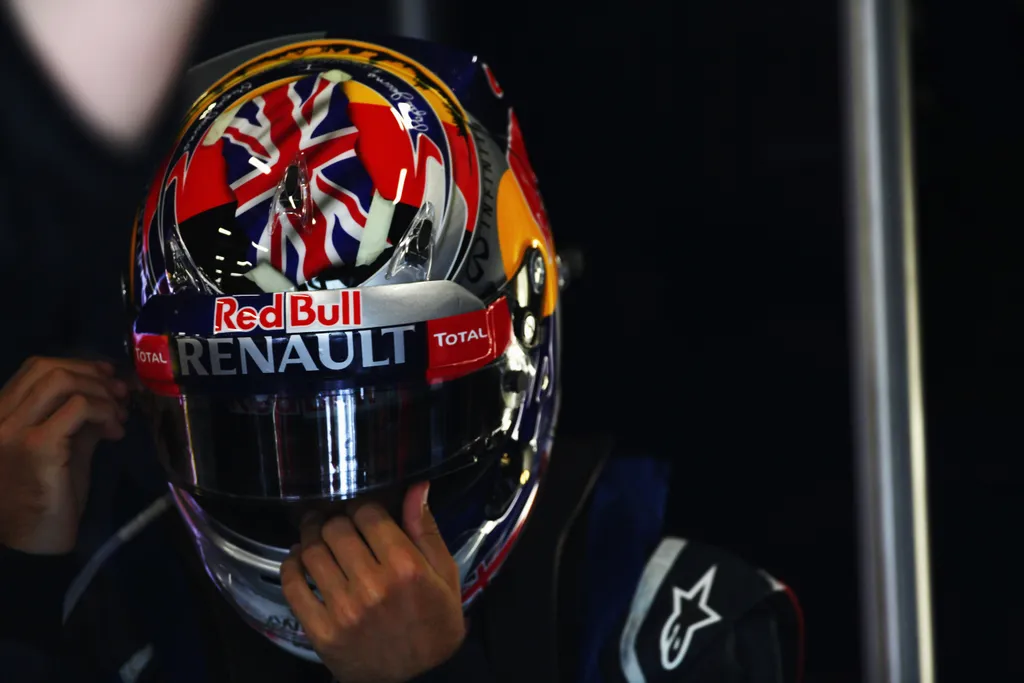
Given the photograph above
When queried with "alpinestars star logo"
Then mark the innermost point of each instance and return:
(690, 613)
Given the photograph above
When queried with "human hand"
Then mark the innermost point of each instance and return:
(392, 604)
(53, 412)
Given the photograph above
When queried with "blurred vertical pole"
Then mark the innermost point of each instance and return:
(895, 567)
(423, 19)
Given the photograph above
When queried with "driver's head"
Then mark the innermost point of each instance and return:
(343, 281)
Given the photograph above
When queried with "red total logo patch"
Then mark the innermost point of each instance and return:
(463, 343)
(153, 364)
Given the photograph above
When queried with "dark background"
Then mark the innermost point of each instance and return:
(693, 150)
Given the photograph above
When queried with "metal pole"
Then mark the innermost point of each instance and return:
(412, 19)
(889, 407)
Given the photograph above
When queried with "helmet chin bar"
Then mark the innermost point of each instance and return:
(248, 573)
(467, 554)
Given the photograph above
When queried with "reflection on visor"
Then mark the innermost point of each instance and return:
(334, 444)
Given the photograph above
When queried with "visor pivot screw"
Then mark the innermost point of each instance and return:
(505, 460)
(538, 273)
(529, 331)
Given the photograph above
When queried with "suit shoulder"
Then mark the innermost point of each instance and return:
(702, 613)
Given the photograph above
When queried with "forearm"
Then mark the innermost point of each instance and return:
(113, 60)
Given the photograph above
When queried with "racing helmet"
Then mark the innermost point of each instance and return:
(343, 281)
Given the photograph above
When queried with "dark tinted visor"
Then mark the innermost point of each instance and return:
(326, 395)
(336, 444)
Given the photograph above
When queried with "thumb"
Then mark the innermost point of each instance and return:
(422, 529)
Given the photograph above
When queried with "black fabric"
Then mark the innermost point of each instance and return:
(522, 605)
(724, 621)
(749, 652)
(66, 209)
(104, 632)
(31, 595)
(49, 165)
